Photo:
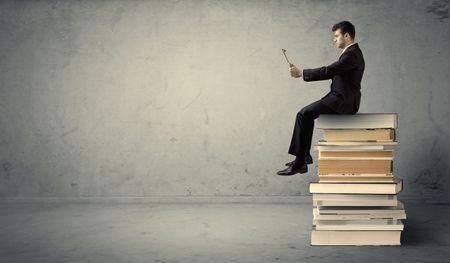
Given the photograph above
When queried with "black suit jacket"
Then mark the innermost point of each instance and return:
(346, 74)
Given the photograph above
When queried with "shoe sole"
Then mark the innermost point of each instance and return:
(306, 161)
(299, 171)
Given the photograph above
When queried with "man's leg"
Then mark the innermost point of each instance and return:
(304, 126)
(302, 136)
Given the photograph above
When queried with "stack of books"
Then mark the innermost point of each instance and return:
(355, 200)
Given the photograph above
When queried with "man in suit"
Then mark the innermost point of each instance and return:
(343, 98)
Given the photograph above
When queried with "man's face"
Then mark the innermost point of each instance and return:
(339, 39)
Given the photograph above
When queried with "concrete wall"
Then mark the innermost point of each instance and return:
(161, 98)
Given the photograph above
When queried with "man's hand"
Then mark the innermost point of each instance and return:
(295, 72)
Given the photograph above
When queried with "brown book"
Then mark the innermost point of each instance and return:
(356, 179)
(356, 154)
(373, 135)
(354, 166)
(356, 175)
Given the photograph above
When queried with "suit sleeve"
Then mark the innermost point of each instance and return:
(346, 63)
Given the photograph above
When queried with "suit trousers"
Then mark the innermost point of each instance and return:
(304, 126)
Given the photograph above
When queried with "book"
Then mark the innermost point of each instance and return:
(356, 188)
(356, 143)
(357, 121)
(372, 224)
(349, 237)
(355, 179)
(387, 211)
(393, 214)
(354, 200)
(356, 155)
(380, 135)
(326, 166)
(355, 148)
(356, 175)
(353, 197)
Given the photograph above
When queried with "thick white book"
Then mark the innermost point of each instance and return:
(388, 211)
(357, 121)
(371, 147)
(355, 238)
(338, 202)
(373, 224)
(354, 200)
(348, 143)
(356, 188)
(393, 215)
(352, 197)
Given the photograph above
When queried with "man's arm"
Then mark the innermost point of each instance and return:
(346, 63)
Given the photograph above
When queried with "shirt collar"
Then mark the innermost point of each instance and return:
(348, 46)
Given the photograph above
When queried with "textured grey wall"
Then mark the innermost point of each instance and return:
(144, 98)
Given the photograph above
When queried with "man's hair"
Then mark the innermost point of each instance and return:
(345, 27)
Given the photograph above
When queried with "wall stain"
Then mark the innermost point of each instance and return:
(70, 131)
(6, 167)
(430, 114)
(205, 142)
(433, 146)
(117, 16)
(193, 100)
(206, 116)
(439, 8)
(249, 186)
(428, 179)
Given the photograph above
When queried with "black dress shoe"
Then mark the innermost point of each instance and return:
(291, 170)
(308, 160)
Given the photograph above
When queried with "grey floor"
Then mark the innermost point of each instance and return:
(210, 233)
